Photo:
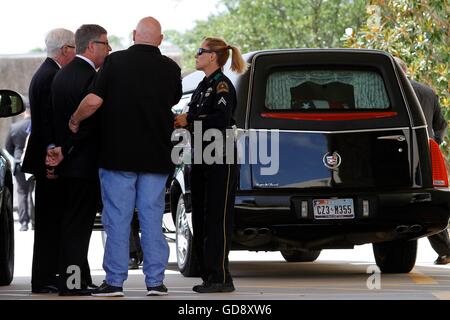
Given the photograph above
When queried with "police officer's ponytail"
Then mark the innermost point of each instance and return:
(222, 49)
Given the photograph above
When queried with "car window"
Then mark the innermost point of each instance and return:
(314, 90)
(181, 106)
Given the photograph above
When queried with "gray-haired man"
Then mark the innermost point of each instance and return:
(60, 45)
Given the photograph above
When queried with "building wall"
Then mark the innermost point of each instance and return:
(15, 74)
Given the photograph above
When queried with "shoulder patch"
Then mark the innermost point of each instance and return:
(223, 87)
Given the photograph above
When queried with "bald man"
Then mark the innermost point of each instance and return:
(136, 89)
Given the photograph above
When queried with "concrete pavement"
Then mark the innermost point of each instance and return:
(336, 275)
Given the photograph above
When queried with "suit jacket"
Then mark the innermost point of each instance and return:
(41, 114)
(17, 137)
(80, 150)
(429, 102)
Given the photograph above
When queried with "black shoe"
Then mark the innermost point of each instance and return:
(24, 227)
(45, 289)
(106, 290)
(76, 292)
(133, 264)
(212, 287)
(90, 286)
(442, 260)
(157, 291)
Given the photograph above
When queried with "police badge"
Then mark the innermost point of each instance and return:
(208, 92)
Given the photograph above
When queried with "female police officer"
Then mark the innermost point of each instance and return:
(213, 185)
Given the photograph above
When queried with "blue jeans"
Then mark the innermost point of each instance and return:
(122, 192)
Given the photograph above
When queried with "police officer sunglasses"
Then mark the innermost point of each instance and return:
(200, 51)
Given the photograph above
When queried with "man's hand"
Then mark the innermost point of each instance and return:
(73, 125)
(54, 157)
(181, 120)
(87, 108)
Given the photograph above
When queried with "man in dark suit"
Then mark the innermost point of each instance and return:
(60, 45)
(15, 145)
(137, 88)
(78, 170)
(437, 127)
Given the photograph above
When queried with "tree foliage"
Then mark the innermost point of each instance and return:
(416, 31)
(265, 24)
(116, 42)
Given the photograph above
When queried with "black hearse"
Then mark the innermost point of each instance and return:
(355, 162)
(11, 104)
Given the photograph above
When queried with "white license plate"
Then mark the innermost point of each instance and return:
(333, 209)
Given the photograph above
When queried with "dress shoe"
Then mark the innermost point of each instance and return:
(443, 260)
(212, 287)
(90, 286)
(45, 289)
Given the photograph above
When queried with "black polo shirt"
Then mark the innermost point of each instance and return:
(138, 86)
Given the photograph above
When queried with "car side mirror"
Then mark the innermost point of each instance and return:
(11, 103)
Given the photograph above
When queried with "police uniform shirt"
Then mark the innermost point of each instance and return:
(213, 102)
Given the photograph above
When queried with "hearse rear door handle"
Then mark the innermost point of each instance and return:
(393, 137)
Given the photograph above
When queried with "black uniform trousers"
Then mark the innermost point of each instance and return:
(440, 242)
(81, 198)
(213, 190)
(48, 204)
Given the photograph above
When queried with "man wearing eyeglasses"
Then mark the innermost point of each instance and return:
(60, 45)
(136, 88)
(77, 164)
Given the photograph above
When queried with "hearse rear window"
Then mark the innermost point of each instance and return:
(315, 90)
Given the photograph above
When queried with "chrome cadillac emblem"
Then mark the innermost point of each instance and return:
(332, 160)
